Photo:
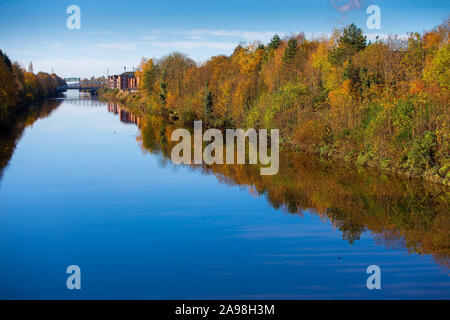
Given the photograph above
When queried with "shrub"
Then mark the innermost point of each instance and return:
(421, 156)
(187, 117)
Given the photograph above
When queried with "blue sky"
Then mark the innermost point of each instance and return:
(115, 34)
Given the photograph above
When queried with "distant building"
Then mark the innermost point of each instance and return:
(124, 81)
(112, 82)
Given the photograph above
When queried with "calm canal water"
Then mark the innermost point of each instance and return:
(90, 184)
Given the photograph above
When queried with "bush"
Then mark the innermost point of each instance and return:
(402, 116)
(421, 156)
(187, 117)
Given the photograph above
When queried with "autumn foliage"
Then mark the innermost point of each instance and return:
(382, 103)
(19, 88)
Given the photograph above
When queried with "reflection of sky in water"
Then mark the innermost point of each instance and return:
(80, 190)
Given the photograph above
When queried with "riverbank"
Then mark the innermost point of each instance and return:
(380, 104)
(20, 88)
(136, 103)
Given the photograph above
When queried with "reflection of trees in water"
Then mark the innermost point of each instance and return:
(399, 212)
(10, 138)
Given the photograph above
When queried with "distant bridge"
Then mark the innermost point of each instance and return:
(87, 85)
(73, 79)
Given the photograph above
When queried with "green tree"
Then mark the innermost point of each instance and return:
(351, 42)
(148, 76)
(438, 70)
(163, 88)
(8, 88)
(5, 58)
(207, 104)
(275, 42)
(288, 60)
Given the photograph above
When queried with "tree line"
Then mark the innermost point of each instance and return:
(382, 103)
(19, 88)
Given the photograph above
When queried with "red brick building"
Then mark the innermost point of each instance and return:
(124, 81)
(112, 82)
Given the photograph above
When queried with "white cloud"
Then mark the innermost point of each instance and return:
(202, 33)
(243, 34)
(82, 66)
(118, 45)
(188, 45)
(152, 37)
(100, 32)
(348, 5)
